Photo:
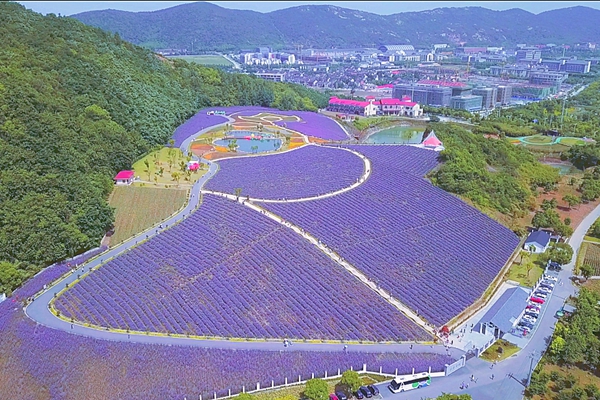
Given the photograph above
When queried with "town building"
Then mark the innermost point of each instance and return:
(503, 94)
(389, 48)
(271, 76)
(504, 314)
(488, 94)
(547, 78)
(528, 54)
(432, 95)
(577, 66)
(468, 102)
(402, 106)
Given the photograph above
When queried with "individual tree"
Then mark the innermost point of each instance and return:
(238, 192)
(171, 142)
(351, 380)
(561, 253)
(546, 219)
(571, 200)
(176, 175)
(449, 396)
(529, 266)
(549, 204)
(148, 171)
(316, 389)
(587, 270)
(564, 230)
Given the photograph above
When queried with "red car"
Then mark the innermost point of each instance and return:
(537, 300)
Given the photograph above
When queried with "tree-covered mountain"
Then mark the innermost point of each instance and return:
(211, 27)
(77, 104)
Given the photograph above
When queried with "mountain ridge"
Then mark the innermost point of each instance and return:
(206, 26)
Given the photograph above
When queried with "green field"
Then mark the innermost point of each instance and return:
(206, 60)
(139, 208)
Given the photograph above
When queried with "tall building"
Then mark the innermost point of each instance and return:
(488, 94)
(577, 66)
(503, 94)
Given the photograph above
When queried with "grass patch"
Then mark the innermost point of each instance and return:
(518, 271)
(500, 350)
(593, 285)
(163, 164)
(580, 256)
(206, 59)
(591, 239)
(139, 208)
(582, 378)
(538, 139)
(572, 141)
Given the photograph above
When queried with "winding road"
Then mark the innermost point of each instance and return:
(504, 386)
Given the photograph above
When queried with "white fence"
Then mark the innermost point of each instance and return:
(448, 369)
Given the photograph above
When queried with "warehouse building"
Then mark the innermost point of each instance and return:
(577, 66)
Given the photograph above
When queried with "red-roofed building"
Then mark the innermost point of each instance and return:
(124, 178)
(376, 107)
(400, 107)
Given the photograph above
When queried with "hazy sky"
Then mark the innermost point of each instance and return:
(383, 7)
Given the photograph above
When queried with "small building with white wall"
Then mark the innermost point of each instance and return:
(124, 177)
(537, 242)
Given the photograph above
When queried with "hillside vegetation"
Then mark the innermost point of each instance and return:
(211, 27)
(491, 173)
(77, 104)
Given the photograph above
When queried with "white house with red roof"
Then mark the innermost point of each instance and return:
(372, 107)
(124, 178)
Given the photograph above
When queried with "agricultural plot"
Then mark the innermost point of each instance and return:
(426, 247)
(139, 208)
(305, 172)
(229, 271)
(41, 363)
(592, 257)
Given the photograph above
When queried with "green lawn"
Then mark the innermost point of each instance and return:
(492, 353)
(572, 141)
(160, 159)
(518, 271)
(206, 59)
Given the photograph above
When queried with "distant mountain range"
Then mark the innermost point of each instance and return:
(206, 26)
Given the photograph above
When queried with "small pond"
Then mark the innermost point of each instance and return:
(397, 135)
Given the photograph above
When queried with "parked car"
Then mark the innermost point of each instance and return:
(555, 268)
(544, 290)
(333, 397)
(341, 396)
(525, 325)
(547, 285)
(541, 295)
(373, 389)
(366, 392)
(533, 306)
(532, 315)
(531, 320)
(358, 394)
(551, 278)
(538, 300)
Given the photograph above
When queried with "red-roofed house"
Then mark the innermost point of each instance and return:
(400, 107)
(124, 178)
(366, 108)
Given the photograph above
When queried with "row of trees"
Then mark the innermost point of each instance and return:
(575, 342)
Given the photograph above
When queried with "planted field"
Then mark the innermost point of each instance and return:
(139, 208)
(592, 257)
(206, 59)
(426, 247)
(230, 271)
(305, 172)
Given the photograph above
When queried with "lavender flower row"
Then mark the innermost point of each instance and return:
(304, 172)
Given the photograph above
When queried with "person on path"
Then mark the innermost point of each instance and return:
(492, 376)
(346, 348)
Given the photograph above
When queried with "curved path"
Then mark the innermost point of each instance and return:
(359, 181)
(39, 311)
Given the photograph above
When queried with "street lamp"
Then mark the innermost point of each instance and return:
(532, 356)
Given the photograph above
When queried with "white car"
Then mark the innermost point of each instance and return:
(548, 284)
(544, 290)
(551, 278)
(541, 295)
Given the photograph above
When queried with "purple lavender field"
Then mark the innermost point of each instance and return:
(229, 271)
(312, 124)
(426, 247)
(303, 172)
(42, 363)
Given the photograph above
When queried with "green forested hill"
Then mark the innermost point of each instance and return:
(77, 104)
